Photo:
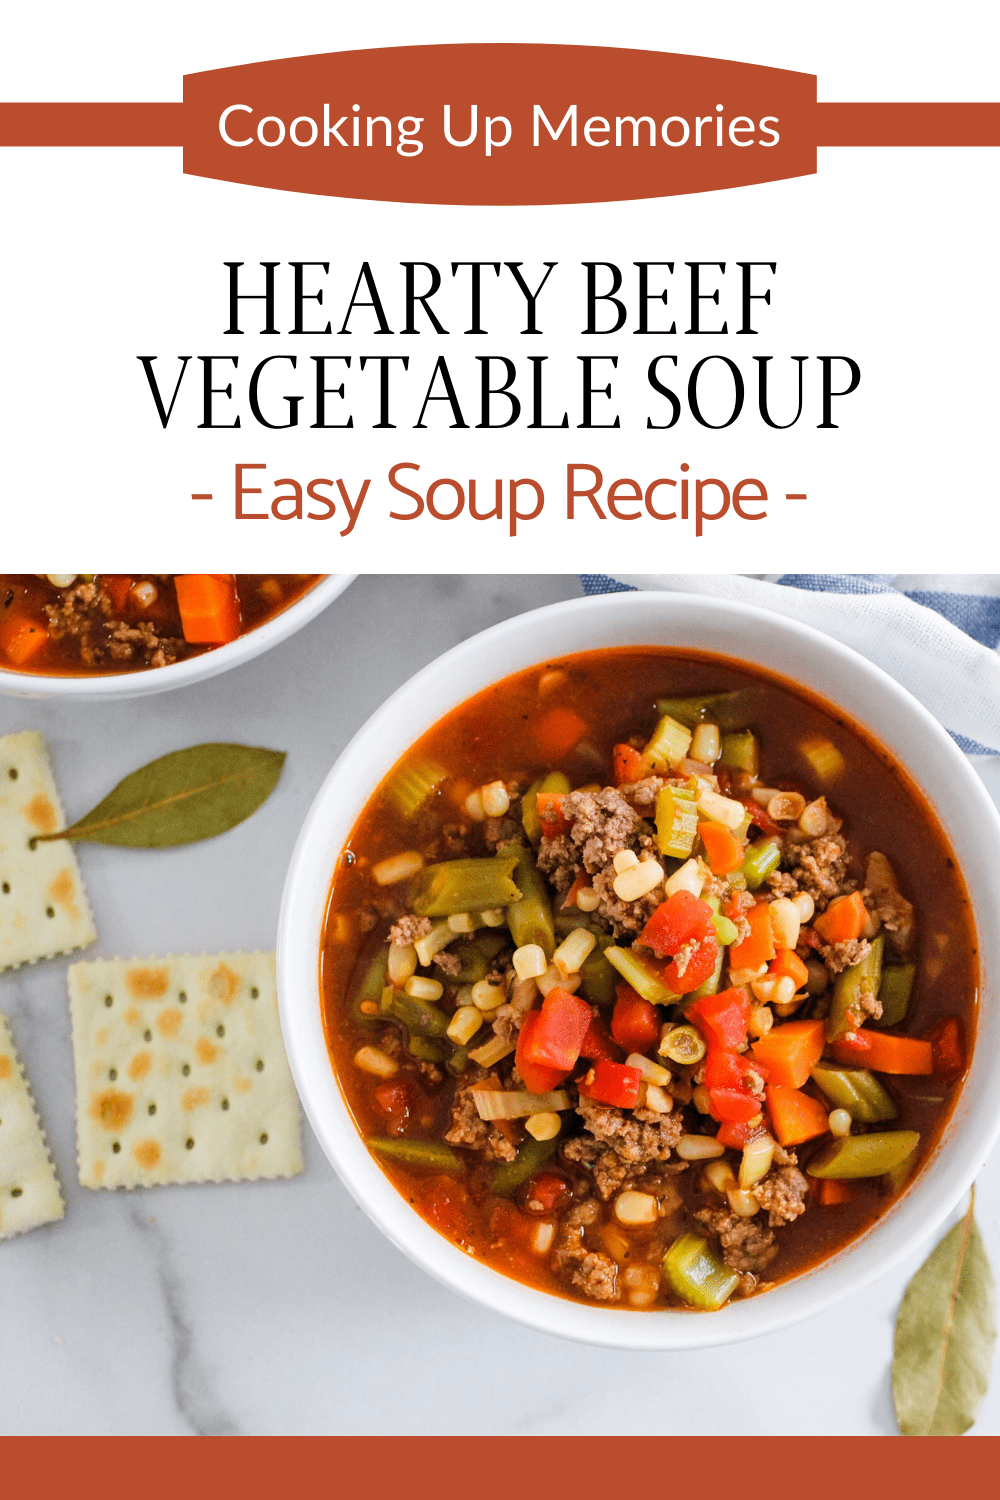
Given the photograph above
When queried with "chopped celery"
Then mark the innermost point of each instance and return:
(414, 784)
(894, 993)
(466, 885)
(857, 1091)
(641, 975)
(697, 1275)
(430, 1154)
(710, 986)
(513, 1174)
(369, 991)
(861, 979)
(760, 860)
(728, 710)
(420, 1017)
(676, 821)
(530, 919)
(725, 930)
(864, 1155)
(684, 1045)
(741, 752)
(825, 760)
(599, 979)
(555, 781)
(669, 744)
(897, 1177)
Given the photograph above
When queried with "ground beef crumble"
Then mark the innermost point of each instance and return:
(589, 1271)
(840, 956)
(746, 1245)
(86, 613)
(468, 1130)
(783, 1194)
(409, 929)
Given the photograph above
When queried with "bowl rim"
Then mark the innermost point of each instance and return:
(945, 1176)
(105, 686)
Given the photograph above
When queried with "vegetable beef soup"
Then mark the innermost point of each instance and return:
(82, 624)
(649, 978)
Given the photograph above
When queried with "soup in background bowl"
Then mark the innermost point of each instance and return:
(650, 980)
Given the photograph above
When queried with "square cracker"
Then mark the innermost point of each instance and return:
(29, 1190)
(43, 905)
(181, 1074)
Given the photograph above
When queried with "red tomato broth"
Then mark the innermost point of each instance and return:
(28, 600)
(491, 736)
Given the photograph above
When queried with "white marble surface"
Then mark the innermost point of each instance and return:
(277, 1308)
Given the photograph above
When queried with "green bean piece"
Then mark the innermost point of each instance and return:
(676, 821)
(669, 744)
(641, 976)
(598, 978)
(741, 751)
(414, 785)
(729, 710)
(427, 1048)
(490, 941)
(371, 987)
(475, 964)
(684, 1045)
(850, 988)
(429, 1154)
(458, 1061)
(897, 1177)
(530, 919)
(863, 1155)
(420, 1017)
(894, 994)
(697, 1275)
(760, 861)
(857, 1091)
(466, 885)
(532, 1155)
(555, 781)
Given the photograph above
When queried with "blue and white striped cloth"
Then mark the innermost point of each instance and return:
(937, 634)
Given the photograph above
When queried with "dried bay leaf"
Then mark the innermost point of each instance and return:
(945, 1333)
(182, 797)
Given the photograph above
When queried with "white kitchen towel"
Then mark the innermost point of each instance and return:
(936, 634)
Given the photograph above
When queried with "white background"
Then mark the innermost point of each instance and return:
(278, 1307)
(884, 255)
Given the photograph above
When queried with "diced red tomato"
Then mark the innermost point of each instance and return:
(722, 1019)
(394, 1100)
(611, 1083)
(598, 1042)
(737, 1133)
(635, 1024)
(545, 1190)
(445, 1203)
(629, 765)
(538, 1079)
(676, 921)
(947, 1049)
(830, 1192)
(549, 808)
(760, 816)
(699, 967)
(734, 1105)
(558, 1035)
(728, 1078)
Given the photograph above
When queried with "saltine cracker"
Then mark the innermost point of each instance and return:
(29, 1189)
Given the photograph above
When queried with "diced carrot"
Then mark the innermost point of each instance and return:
(581, 883)
(843, 919)
(830, 1191)
(548, 805)
(789, 964)
(117, 585)
(946, 1047)
(22, 638)
(629, 765)
(795, 1117)
(209, 608)
(558, 731)
(791, 1051)
(758, 947)
(724, 849)
(885, 1053)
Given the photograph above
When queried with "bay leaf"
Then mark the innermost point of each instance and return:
(945, 1333)
(182, 797)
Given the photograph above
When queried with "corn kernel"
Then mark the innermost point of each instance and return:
(840, 1122)
(773, 989)
(371, 1060)
(658, 1100)
(742, 1203)
(464, 921)
(761, 1020)
(544, 1126)
(420, 988)
(706, 744)
(690, 877)
(719, 809)
(635, 883)
(473, 805)
(494, 917)
(552, 979)
(402, 964)
(542, 1237)
(486, 996)
(699, 1147)
(785, 922)
(464, 1024)
(530, 961)
(652, 1072)
(574, 950)
(398, 867)
(495, 799)
(804, 905)
(720, 1176)
(636, 1208)
(625, 859)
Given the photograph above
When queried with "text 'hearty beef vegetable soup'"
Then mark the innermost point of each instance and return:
(649, 979)
(77, 624)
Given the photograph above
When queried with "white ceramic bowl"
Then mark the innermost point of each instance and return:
(795, 651)
(103, 687)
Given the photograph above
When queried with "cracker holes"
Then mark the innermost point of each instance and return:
(263, 1137)
(147, 1036)
(220, 1031)
(182, 996)
(116, 1146)
(12, 773)
(50, 911)
(113, 1074)
(6, 887)
(259, 1065)
(254, 993)
(151, 1110)
(109, 1001)
(185, 1069)
(225, 1104)
(16, 1192)
(189, 1143)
